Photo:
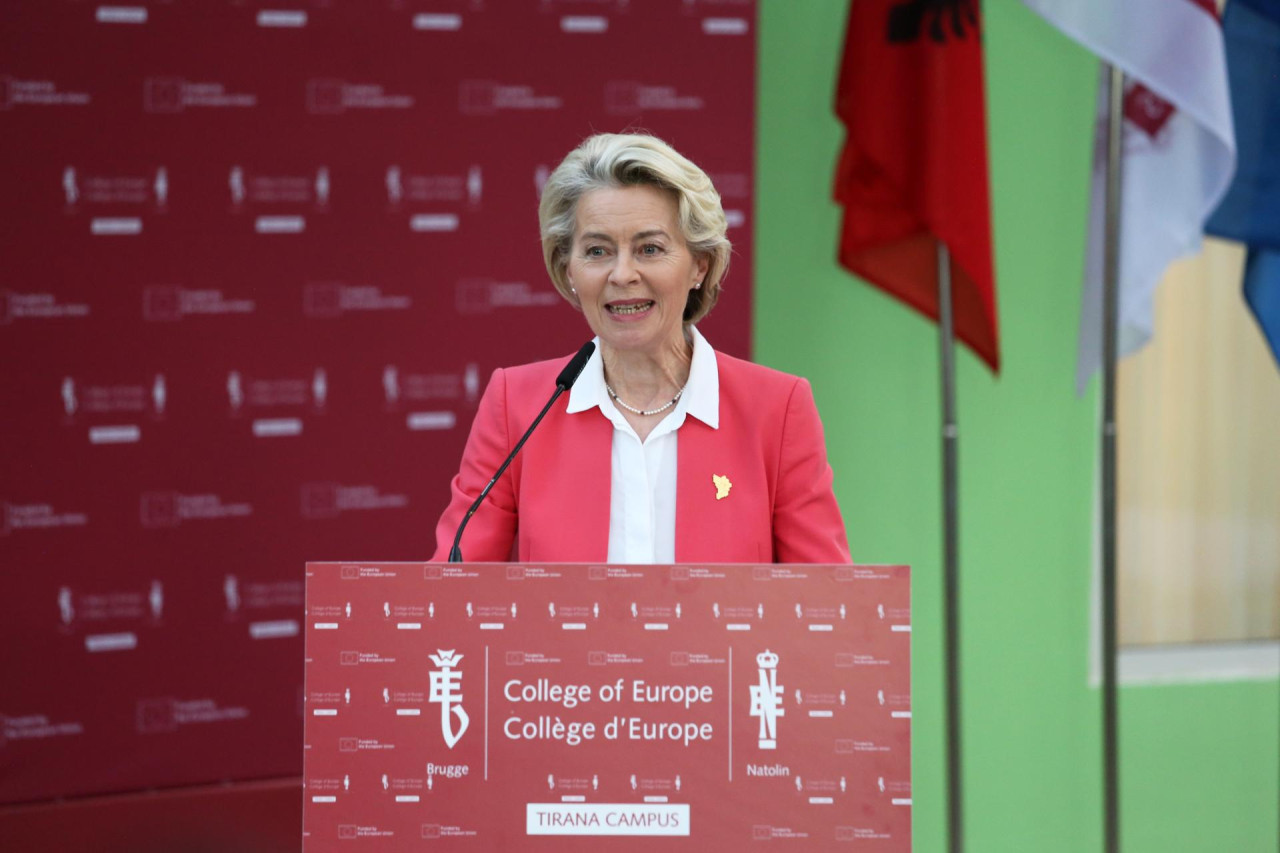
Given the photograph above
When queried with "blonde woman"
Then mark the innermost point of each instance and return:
(666, 450)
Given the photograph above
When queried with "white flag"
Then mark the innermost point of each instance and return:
(1179, 147)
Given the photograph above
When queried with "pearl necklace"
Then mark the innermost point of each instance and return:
(614, 395)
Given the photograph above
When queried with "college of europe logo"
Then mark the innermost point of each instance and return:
(446, 689)
(766, 699)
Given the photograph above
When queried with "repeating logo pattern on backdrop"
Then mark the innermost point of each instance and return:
(253, 291)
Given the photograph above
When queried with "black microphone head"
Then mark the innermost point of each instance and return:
(573, 369)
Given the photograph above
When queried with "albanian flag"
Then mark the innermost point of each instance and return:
(913, 171)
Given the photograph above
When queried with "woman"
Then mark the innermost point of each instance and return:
(666, 451)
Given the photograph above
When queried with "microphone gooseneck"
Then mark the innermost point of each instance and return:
(564, 382)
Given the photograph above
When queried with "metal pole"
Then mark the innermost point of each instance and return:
(1110, 321)
(950, 549)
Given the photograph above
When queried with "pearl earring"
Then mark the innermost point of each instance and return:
(698, 286)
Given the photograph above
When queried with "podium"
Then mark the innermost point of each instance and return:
(639, 708)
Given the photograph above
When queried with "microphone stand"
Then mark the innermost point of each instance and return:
(563, 383)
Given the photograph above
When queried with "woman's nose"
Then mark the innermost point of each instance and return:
(624, 270)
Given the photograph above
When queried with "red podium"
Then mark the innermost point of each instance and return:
(562, 707)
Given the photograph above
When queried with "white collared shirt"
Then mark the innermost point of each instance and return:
(642, 495)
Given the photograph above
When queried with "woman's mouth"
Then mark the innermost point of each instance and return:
(638, 306)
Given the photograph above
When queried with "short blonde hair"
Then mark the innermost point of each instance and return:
(623, 160)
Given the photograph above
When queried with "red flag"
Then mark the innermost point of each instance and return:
(914, 167)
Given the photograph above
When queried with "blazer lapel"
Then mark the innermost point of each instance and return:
(705, 528)
(586, 464)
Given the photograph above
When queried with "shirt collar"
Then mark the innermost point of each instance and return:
(701, 396)
(703, 390)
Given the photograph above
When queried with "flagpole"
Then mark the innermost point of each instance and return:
(950, 549)
(1110, 326)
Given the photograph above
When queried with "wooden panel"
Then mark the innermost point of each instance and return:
(1199, 465)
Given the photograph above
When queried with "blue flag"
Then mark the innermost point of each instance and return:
(1250, 212)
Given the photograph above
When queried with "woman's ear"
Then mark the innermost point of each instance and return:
(700, 269)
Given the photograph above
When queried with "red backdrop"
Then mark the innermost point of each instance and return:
(257, 268)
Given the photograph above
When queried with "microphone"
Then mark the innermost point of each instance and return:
(564, 382)
(573, 369)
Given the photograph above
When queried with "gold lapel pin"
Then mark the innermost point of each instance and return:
(722, 485)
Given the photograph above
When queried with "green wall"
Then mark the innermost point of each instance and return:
(1198, 763)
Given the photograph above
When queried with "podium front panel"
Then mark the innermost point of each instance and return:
(559, 707)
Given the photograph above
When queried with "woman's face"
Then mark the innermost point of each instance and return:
(631, 268)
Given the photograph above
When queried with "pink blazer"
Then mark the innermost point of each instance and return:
(552, 504)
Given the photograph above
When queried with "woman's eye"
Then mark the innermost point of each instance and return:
(650, 249)
(595, 252)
